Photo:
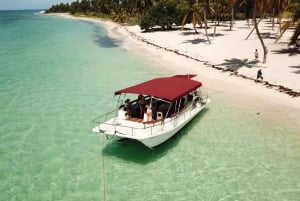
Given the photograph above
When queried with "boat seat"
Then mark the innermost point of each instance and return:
(135, 119)
(152, 121)
(159, 115)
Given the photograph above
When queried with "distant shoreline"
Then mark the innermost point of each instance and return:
(8, 10)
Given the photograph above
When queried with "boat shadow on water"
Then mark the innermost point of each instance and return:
(134, 151)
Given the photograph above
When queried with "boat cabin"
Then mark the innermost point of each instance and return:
(162, 97)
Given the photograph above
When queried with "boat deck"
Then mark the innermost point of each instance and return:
(138, 120)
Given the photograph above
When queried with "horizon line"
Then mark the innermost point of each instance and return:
(24, 9)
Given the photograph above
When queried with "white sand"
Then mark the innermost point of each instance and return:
(228, 49)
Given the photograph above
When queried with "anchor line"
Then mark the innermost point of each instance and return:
(103, 173)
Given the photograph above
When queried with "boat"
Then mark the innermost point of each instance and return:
(161, 107)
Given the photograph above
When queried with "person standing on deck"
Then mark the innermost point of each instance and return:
(142, 105)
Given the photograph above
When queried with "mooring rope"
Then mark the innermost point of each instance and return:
(103, 172)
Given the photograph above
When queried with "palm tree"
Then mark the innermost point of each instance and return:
(191, 15)
(295, 38)
(75, 7)
(143, 5)
(246, 6)
(292, 10)
(85, 6)
(296, 20)
(258, 7)
(205, 9)
(107, 6)
(216, 5)
(95, 4)
(249, 6)
(283, 28)
(196, 14)
(121, 16)
(276, 7)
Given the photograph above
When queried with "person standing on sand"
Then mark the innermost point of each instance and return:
(256, 54)
(259, 75)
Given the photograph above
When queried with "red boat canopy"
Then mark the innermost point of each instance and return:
(170, 88)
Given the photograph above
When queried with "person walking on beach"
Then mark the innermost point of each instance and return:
(259, 75)
(256, 54)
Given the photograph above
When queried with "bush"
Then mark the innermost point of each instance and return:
(147, 23)
(163, 15)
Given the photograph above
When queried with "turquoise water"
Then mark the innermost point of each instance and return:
(57, 74)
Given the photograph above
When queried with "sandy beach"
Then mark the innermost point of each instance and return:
(183, 51)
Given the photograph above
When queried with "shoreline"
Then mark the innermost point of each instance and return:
(280, 88)
(263, 96)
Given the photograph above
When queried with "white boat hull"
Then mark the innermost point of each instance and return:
(150, 135)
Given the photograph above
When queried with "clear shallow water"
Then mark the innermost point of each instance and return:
(57, 74)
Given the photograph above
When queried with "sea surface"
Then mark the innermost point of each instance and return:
(58, 74)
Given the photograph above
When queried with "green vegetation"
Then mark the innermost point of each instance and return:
(161, 14)
(166, 13)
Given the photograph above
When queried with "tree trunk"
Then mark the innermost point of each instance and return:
(248, 23)
(232, 18)
(215, 26)
(273, 18)
(280, 36)
(259, 36)
(279, 22)
(205, 21)
(284, 27)
(253, 28)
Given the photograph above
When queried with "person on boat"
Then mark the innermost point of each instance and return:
(149, 112)
(142, 105)
(154, 110)
(128, 107)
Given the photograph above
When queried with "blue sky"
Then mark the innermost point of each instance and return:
(29, 4)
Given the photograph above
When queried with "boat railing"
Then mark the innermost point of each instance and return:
(149, 127)
(203, 97)
(146, 128)
(105, 117)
